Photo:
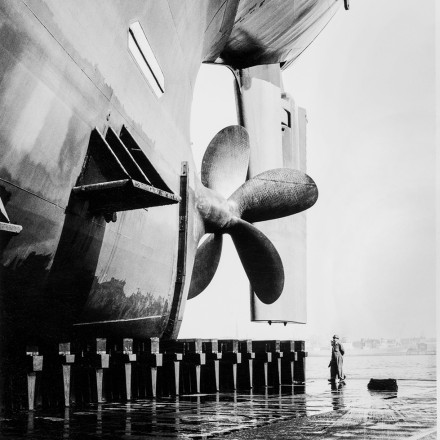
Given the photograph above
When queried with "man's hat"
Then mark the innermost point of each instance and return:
(335, 337)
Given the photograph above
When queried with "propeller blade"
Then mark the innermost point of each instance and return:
(260, 259)
(205, 264)
(273, 194)
(226, 160)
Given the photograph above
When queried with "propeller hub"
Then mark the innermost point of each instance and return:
(214, 210)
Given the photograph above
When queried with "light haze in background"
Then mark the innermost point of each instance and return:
(368, 84)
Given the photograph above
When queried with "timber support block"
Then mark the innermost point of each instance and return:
(67, 360)
(34, 364)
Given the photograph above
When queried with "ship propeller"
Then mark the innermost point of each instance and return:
(270, 195)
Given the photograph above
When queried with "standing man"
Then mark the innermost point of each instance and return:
(336, 360)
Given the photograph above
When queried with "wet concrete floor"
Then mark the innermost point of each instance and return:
(349, 411)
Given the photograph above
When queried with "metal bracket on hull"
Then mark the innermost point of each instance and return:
(116, 176)
(143, 161)
(6, 227)
(172, 328)
(123, 195)
(9, 228)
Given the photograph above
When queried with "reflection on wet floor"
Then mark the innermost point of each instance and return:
(361, 414)
(337, 395)
(323, 411)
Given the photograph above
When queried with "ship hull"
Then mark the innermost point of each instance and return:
(65, 72)
(68, 267)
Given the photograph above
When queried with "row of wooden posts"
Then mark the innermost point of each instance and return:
(101, 370)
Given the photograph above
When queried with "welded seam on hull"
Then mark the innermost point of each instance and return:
(119, 320)
(65, 50)
(33, 194)
(215, 15)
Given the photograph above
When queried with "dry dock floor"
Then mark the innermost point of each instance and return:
(345, 412)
